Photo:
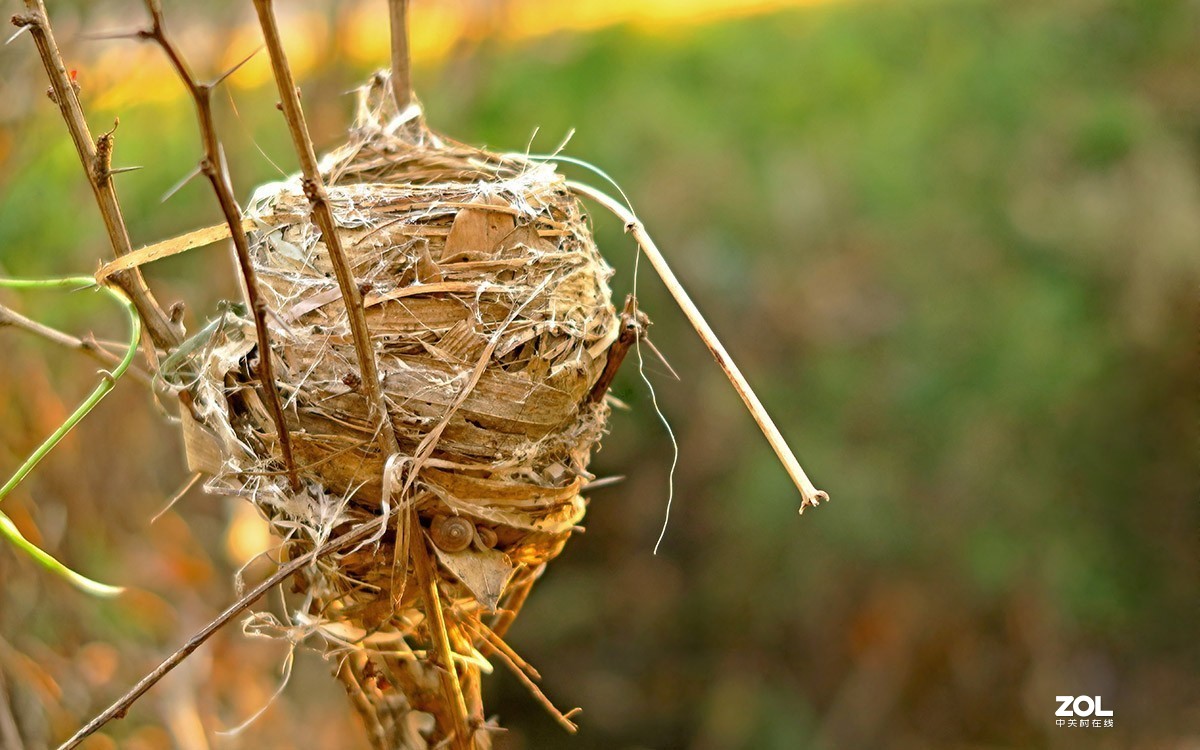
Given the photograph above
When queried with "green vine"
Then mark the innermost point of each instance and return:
(8, 529)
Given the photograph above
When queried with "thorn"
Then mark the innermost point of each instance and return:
(21, 29)
(179, 185)
(120, 170)
(221, 78)
(596, 484)
(661, 357)
(139, 34)
(104, 152)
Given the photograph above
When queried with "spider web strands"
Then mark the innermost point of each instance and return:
(809, 494)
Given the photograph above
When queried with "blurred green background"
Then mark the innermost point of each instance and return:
(953, 244)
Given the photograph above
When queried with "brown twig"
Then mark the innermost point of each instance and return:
(64, 93)
(214, 167)
(314, 190)
(118, 709)
(401, 71)
(88, 346)
(633, 326)
(809, 494)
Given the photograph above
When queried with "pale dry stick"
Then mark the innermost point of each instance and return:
(216, 170)
(809, 494)
(178, 495)
(349, 677)
(88, 346)
(314, 190)
(427, 580)
(401, 69)
(119, 708)
(564, 719)
(496, 642)
(162, 330)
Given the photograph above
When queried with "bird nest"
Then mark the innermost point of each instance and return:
(490, 316)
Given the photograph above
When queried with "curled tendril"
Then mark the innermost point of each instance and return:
(108, 380)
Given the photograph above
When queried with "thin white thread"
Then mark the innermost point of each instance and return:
(288, 661)
(637, 343)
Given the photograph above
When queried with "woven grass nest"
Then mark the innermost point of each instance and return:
(490, 312)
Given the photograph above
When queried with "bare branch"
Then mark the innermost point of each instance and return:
(809, 494)
(88, 346)
(64, 92)
(118, 709)
(214, 167)
(631, 328)
(517, 595)
(314, 189)
(401, 71)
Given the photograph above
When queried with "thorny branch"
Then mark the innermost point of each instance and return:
(119, 708)
(64, 92)
(314, 190)
(216, 170)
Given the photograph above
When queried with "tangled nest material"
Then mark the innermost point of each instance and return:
(490, 314)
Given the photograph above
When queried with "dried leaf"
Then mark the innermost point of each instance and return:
(484, 573)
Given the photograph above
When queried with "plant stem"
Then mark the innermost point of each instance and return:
(401, 69)
(88, 346)
(162, 331)
(107, 382)
(9, 530)
(436, 624)
(314, 190)
(215, 169)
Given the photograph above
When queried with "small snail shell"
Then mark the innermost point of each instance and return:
(452, 533)
(487, 536)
